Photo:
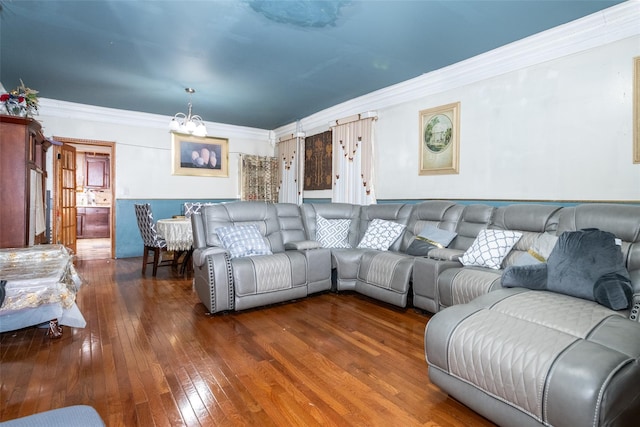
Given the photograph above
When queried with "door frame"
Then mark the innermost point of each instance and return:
(112, 171)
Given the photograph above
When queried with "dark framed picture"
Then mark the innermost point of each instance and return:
(439, 140)
(199, 156)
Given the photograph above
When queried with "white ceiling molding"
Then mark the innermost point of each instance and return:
(601, 28)
(71, 110)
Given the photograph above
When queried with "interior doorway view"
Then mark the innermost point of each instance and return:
(83, 200)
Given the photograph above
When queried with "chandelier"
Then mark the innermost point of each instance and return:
(187, 123)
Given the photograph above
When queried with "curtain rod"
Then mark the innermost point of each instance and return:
(368, 115)
(291, 136)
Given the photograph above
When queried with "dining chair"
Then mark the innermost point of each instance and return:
(191, 208)
(152, 243)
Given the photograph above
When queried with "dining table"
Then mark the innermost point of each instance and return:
(178, 235)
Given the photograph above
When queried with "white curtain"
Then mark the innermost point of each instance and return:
(353, 161)
(291, 166)
(37, 223)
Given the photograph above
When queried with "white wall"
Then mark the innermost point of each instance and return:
(560, 130)
(143, 150)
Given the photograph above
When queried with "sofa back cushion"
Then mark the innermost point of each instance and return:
(436, 213)
(395, 212)
(262, 214)
(290, 222)
(532, 220)
(331, 211)
(474, 218)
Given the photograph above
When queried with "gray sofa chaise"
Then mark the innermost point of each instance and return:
(526, 356)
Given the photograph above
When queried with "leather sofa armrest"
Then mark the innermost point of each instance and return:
(446, 254)
(200, 255)
(302, 245)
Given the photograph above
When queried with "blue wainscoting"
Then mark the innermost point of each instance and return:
(128, 240)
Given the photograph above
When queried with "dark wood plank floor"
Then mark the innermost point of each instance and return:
(151, 356)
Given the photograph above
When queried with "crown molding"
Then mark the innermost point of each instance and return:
(70, 110)
(607, 26)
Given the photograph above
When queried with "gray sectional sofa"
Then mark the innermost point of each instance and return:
(519, 355)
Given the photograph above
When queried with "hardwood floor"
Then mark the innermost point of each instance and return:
(151, 356)
(93, 249)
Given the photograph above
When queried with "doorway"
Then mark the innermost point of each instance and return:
(93, 199)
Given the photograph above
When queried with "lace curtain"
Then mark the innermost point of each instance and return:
(259, 178)
(353, 161)
(291, 169)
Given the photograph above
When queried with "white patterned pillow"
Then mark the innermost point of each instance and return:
(243, 240)
(490, 248)
(333, 233)
(381, 234)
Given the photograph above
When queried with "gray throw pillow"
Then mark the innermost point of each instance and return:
(430, 237)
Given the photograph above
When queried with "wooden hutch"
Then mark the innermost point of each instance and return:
(23, 173)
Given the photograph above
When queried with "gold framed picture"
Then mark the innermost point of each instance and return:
(636, 109)
(439, 140)
(199, 156)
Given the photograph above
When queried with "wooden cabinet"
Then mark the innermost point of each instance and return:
(22, 182)
(97, 172)
(92, 222)
(80, 217)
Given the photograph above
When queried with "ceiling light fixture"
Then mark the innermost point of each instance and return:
(186, 123)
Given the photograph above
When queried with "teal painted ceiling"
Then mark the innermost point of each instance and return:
(253, 63)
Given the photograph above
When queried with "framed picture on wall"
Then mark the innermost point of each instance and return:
(636, 109)
(439, 140)
(199, 156)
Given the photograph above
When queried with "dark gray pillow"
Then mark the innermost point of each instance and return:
(419, 248)
(588, 264)
(613, 290)
(532, 276)
(585, 264)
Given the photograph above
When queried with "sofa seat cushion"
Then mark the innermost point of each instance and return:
(388, 270)
(535, 350)
(268, 273)
(461, 285)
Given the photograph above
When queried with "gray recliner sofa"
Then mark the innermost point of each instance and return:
(298, 265)
(224, 283)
